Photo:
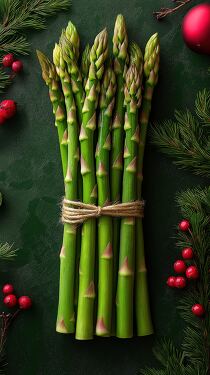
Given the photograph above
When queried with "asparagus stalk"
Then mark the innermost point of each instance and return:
(73, 37)
(120, 44)
(105, 284)
(151, 67)
(56, 97)
(70, 56)
(127, 234)
(85, 64)
(98, 54)
(67, 257)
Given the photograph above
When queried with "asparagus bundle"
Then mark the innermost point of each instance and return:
(93, 101)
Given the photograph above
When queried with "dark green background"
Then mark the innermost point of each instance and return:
(31, 181)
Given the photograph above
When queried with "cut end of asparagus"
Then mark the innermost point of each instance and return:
(101, 329)
(61, 327)
(120, 38)
(151, 59)
(73, 37)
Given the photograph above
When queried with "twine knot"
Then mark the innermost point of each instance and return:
(74, 212)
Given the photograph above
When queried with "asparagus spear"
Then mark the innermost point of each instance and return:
(129, 194)
(85, 64)
(105, 285)
(120, 44)
(70, 56)
(151, 67)
(73, 37)
(67, 267)
(98, 54)
(56, 97)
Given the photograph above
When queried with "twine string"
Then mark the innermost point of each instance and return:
(74, 212)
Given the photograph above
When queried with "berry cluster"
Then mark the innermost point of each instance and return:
(8, 107)
(11, 300)
(190, 272)
(9, 62)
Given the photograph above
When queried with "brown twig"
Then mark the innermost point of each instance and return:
(163, 12)
(6, 320)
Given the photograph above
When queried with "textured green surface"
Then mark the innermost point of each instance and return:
(32, 184)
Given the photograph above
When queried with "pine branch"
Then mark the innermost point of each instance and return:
(193, 358)
(187, 140)
(7, 252)
(17, 16)
(5, 80)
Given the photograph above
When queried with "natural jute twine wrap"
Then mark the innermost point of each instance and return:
(77, 212)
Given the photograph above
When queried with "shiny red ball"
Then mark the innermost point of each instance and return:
(198, 309)
(192, 272)
(8, 289)
(2, 116)
(184, 225)
(10, 300)
(9, 107)
(8, 60)
(180, 266)
(171, 281)
(17, 66)
(196, 28)
(180, 282)
(187, 253)
(25, 302)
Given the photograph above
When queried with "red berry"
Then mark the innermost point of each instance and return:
(192, 272)
(25, 302)
(180, 266)
(187, 253)
(9, 107)
(184, 225)
(8, 60)
(10, 300)
(17, 66)
(8, 289)
(180, 282)
(2, 116)
(198, 310)
(170, 282)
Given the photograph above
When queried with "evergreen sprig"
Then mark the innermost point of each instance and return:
(18, 16)
(187, 138)
(193, 357)
(7, 252)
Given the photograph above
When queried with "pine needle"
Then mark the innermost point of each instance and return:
(187, 139)
(7, 252)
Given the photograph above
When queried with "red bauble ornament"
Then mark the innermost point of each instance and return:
(10, 300)
(184, 225)
(171, 281)
(180, 266)
(8, 289)
(8, 60)
(2, 116)
(198, 309)
(196, 28)
(25, 302)
(17, 66)
(180, 282)
(8, 107)
(187, 253)
(192, 272)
